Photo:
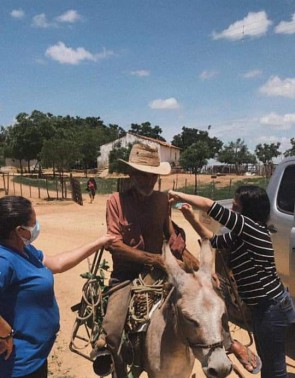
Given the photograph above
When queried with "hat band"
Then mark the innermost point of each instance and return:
(154, 162)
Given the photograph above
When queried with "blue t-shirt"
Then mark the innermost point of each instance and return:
(28, 304)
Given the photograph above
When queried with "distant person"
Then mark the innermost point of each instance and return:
(29, 315)
(91, 188)
(253, 265)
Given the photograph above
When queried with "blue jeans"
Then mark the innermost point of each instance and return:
(270, 325)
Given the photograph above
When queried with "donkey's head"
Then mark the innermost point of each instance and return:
(200, 312)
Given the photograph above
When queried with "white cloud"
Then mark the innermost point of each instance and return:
(40, 61)
(140, 73)
(251, 74)
(205, 75)
(268, 139)
(17, 13)
(279, 87)
(71, 16)
(234, 128)
(285, 27)
(277, 121)
(285, 144)
(254, 25)
(40, 21)
(67, 55)
(168, 103)
(104, 54)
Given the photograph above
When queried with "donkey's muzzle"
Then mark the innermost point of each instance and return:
(103, 364)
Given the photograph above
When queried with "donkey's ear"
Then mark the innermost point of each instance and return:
(206, 257)
(176, 274)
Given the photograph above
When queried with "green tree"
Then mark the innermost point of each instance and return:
(146, 129)
(25, 138)
(115, 132)
(194, 158)
(119, 152)
(190, 136)
(3, 136)
(60, 154)
(290, 151)
(237, 154)
(15, 147)
(265, 153)
(89, 147)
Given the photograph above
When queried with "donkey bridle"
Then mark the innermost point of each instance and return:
(218, 344)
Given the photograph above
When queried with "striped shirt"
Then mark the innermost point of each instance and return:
(251, 255)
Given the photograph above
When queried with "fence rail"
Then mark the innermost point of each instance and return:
(67, 187)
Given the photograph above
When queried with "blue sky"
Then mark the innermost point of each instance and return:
(225, 63)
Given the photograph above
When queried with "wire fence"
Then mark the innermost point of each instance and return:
(67, 187)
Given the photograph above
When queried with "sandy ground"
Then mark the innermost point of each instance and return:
(65, 225)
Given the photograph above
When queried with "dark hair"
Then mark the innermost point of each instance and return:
(255, 203)
(14, 211)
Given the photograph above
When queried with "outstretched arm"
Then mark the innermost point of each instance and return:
(201, 203)
(67, 260)
(189, 215)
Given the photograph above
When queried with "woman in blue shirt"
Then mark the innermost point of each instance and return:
(29, 315)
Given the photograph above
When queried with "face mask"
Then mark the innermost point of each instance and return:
(35, 231)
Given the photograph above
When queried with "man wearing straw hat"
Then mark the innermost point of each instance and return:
(140, 220)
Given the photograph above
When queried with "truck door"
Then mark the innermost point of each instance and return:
(282, 220)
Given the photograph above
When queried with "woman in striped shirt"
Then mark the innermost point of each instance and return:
(253, 265)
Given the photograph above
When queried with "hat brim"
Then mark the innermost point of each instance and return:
(162, 169)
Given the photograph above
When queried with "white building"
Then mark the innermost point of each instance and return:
(167, 152)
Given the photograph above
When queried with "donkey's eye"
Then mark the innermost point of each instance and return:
(193, 322)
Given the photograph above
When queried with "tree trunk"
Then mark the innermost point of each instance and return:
(21, 166)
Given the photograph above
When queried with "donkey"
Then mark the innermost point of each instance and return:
(189, 326)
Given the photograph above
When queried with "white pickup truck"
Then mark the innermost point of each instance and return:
(281, 192)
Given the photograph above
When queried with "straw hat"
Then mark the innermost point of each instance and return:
(146, 159)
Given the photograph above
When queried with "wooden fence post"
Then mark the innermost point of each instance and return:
(21, 185)
(13, 184)
(4, 184)
(39, 191)
(56, 186)
(8, 182)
